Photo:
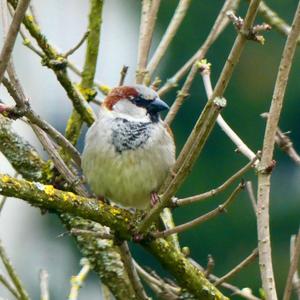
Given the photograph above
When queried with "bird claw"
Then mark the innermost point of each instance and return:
(154, 199)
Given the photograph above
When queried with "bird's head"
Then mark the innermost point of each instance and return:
(136, 101)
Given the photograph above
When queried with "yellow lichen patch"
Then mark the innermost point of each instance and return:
(105, 89)
(49, 190)
(69, 196)
(5, 178)
(114, 211)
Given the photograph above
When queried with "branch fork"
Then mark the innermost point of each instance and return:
(252, 33)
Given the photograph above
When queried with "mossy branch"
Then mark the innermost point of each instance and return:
(120, 220)
(75, 121)
(103, 255)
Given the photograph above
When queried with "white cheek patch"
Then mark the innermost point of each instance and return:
(126, 109)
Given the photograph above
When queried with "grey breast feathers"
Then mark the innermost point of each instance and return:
(129, 135)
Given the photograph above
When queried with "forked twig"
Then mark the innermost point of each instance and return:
(77, 281)
(217, 211)
(13, 274)
(173, 26)
(219, 189)
(249, 259)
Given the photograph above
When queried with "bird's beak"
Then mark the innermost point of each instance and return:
(157, 105)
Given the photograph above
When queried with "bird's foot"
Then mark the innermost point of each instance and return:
(154, 199)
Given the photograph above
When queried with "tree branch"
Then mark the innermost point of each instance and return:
(12, 35)
(75, 121)
(120, 220)
(220, 209)
(266, 164)
(12, 274)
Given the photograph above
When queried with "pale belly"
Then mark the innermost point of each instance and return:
(129, 177)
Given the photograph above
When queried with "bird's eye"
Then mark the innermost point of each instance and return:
(140, 101)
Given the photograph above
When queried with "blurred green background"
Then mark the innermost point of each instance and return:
(230, 237)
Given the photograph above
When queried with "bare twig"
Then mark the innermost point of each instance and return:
(44, 285)
(219, 189)
(266, 164)
(77, 46)
(218, 27)
(2, 203)
(244, 293)
(12, 274)
(204, 68)
(250, 191)
(123, 75)
(210, 265)
(273, 19)
(249, 259)
(293, 268)
(132, 272)
(148, 20)
(296, 279)
(12, 35)
(77, 281)
(173, 26)
(23, 108)
(154, 280)
(9, 286)
(72, 179)
(285, 143)
(217, 211)
(204, 124)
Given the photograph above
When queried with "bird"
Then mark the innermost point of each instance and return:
(129, 150)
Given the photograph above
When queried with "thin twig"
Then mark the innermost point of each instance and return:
(12, 274)
(293, 268)
(149, 278)
(12, 35)
(132, 272)
(250, 191)
(9, 286)
(266, 164)
(78, 45)
(296, 279)
(285, 143)
(219, 189)
(218, 27)
(249, 259)
(44, 285)
(72, 179)
(210, 265)
(204, 68)
(2, 203)
(217, 211)
(77, 281)
(274, 20)
(247, 294)
(15, 89)
(172, 29)
(148, 20)
(86, 87)
(123, 75)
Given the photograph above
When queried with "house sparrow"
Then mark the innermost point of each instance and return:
(129, 150)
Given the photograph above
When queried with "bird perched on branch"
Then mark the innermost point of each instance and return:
(129, 150)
